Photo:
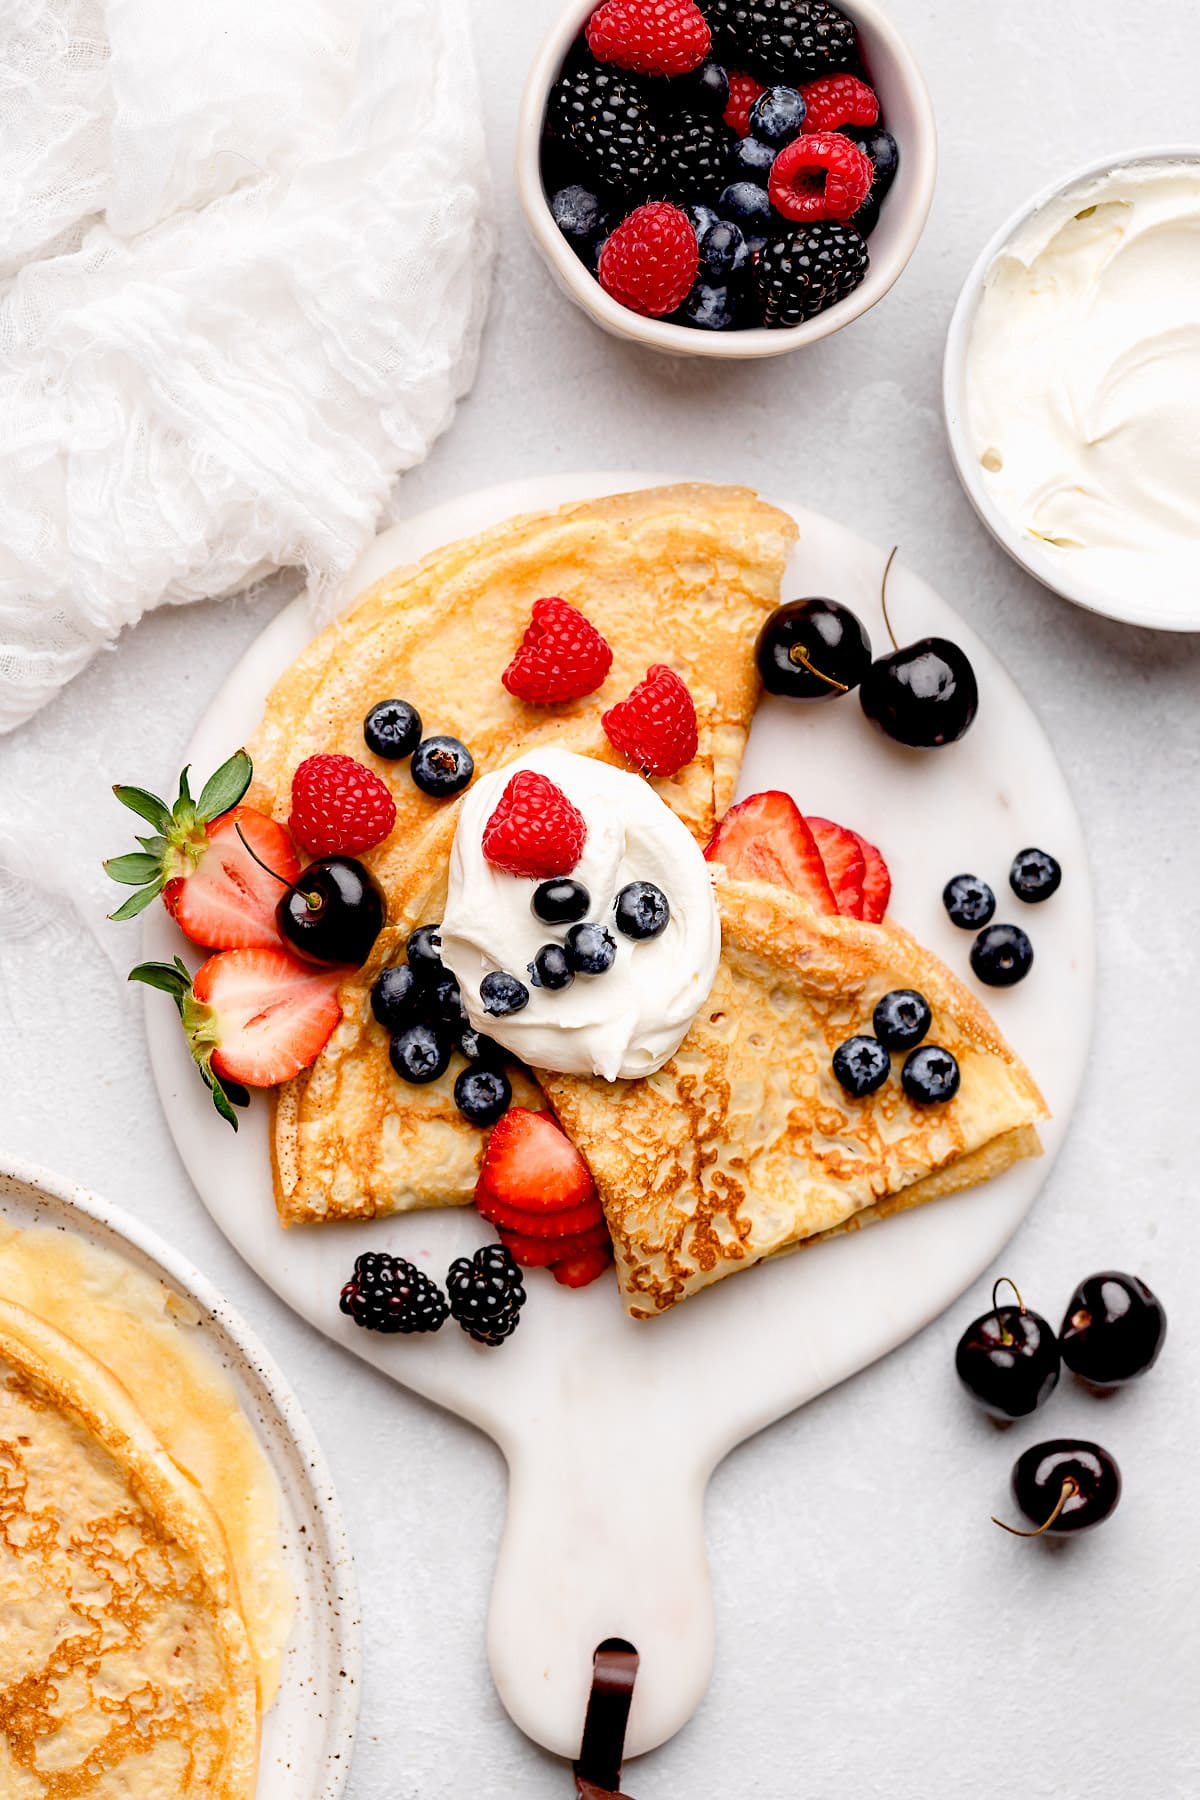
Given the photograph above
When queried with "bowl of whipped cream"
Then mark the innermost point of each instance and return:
(1072, 387)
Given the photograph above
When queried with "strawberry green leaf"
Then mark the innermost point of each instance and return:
(134, 870)
(169, 978)
(147, 806)
(223, 1098)
(224, 789)
(137, 903)
(156, 846)
(185, 792)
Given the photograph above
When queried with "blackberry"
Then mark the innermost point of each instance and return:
(783, 40)
(693, 156)
(808, 269)
(387, 1294)
(486, 1294)
(603, 115)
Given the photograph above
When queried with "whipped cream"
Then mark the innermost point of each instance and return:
(628, 1021)
(1082, 383)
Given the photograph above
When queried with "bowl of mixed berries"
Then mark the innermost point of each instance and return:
(728, 178)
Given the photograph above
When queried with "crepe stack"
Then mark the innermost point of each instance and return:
(680, 575)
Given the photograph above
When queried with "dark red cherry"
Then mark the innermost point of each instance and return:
(1008, 1360)
(923, 695)
(1064, 1486)
(334, 912)
(1113, 1330)
(812, 650)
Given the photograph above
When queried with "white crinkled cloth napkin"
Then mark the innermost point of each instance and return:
(243, 269)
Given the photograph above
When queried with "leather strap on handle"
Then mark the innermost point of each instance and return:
(598, 1770)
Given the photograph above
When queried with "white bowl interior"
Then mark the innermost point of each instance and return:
(907, 113)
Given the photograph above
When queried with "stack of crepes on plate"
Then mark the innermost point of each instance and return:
(143, 1601)
(743, 1145)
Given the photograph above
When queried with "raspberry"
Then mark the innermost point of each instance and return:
(743, 92)
(651, 37)
(561, 657)
(808, 270)
(837, 100)
(535, 830)
(649, 262)
(338, 807)
(822, 176)
(656, 726)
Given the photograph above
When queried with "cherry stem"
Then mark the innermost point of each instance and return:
(1070, 1488)
(1005, 1280)
(799, 655)
(311, 900)
(883, 595)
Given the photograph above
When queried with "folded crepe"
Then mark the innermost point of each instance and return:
(679, 575)
(127, 1670)
(745, 1144)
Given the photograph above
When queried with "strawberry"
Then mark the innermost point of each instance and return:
(530, 1163)
(877, 883)
(543, 1253)
(535, 830)
(228, 901)
(253, 1018)
(743, 92)
(656, 726)
(845, 864)
(563, 1222)
(649, 262)
(561, 657)
(651, 37)
(765, 838)
(339, 807)
(581, 1268)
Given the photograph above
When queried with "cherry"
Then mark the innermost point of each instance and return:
(922, 694)
(1113, 1330)
(812, 650)
(1008, 1359)
(333, 913)
(1063, 1486)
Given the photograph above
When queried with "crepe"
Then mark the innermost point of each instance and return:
(679, 575)
(125, 1667)
(745, 1145)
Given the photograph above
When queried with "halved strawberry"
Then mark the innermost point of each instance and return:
(845, 864)
(531, 1164)
(253, 1018)
(582, 1268)
(765, 838)
(543, 1253)
(563, 1222)
(877, 883)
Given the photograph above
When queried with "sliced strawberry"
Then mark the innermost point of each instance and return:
(563, 1222)
(877, 883)
(845, 864)
(765, 838)
(530, 1163)
(543, 1253)
(581, 1269)
(227, 901)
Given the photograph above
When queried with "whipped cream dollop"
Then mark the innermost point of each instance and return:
(1082, 380)
(629, 1020)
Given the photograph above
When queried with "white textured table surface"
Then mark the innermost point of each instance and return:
(877, 1636)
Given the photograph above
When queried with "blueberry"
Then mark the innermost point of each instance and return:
(393, 998)
(642, 910)
(419, 1054)
(777, 116)
(723, 253)
(745, 203)
(709, 309)
(481, 1095)
(560, 902)
(550, 968)
(444, 1001)
(861, 1064)
(502, 994)
(580, 215)
(392, 729)
(477, 1048)
(902, 1018)
(424, 953)
(883, 151)
(591, 949)
(701, 218)
(442, 766)
(1002, 955)
(930, 1075)
(1034, 876)
(706, 87)
(750, 160)
(969, 901)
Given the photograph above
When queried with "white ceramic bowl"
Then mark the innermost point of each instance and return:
(908, 114)
(1140, 604)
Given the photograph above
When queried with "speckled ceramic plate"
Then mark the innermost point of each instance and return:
(308, 1735)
